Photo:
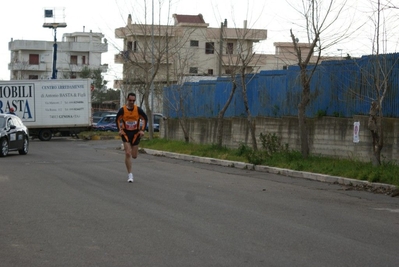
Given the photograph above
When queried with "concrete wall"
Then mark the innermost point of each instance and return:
(328, 136)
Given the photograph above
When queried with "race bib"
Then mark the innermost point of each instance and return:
(131, 125)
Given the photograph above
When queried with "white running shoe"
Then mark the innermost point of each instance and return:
(130, 178)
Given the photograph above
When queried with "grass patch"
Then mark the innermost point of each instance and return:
(386, 173)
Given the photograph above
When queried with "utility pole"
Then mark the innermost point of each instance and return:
(220, 49)
(50, 14)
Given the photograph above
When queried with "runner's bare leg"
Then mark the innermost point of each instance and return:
(135, 151)
(128, 153)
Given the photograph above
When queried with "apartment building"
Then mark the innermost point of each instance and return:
(32, 59)
(189, 47)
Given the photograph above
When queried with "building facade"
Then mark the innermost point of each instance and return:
(188, 48)
(34, 59)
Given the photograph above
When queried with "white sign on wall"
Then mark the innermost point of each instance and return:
(356, 127)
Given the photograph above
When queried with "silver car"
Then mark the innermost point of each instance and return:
(14, 135)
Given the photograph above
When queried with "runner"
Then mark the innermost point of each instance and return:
(130, 130)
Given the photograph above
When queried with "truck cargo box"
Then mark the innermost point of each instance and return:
(49, 106)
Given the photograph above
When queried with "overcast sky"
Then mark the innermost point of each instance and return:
(23, 20)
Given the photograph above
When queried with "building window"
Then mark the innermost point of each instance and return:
(83, 60)
(33, 77)
(74, 60)
(33, 59)
(132, 46)
(209, 48)
(210, 71)
(230, 48)
(193, 70)
(194, 43)
(229, 71)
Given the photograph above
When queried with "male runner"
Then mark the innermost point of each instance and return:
(128, 124)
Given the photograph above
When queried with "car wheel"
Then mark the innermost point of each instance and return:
(25, 148)
(3, 147)
(45, 135)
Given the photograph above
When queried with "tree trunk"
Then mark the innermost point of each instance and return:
(149, 114)
(305, 99)
(183, 125)
(375, 127)
(219, 130)
(248, 112)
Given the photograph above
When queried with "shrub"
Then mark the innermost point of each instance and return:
(271, 144)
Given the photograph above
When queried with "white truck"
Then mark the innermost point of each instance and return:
(48, 107)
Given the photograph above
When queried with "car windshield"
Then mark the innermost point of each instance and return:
(2, 122)
(109, 119)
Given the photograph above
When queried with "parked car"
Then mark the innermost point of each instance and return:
(156, 121)
(14, 135)
(100, 114)
(106, 123)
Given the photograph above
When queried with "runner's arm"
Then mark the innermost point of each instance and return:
(119, 116)
(144, 118)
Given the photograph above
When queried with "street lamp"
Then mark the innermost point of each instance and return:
(48, 14)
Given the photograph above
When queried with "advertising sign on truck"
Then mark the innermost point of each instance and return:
(49, 106)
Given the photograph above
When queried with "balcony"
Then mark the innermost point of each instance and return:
(83, 47)
(29, 45)
(78, 68)
(27, 67)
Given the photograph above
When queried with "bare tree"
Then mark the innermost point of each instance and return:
(179, 95)
(378, 77)
(374, 86)
(148, 51)
(319, 16)
(240, 63)
(177, 101)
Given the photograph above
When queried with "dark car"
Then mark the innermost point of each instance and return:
(14, 135)
(106, 123)
(100, 114)
(156, 122)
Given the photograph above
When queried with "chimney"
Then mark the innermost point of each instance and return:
(129, 19)
(245, 24)
(225, 23)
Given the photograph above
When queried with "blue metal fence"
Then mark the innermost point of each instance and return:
(339, 88)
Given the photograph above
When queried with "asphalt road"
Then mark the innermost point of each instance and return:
(67, 203)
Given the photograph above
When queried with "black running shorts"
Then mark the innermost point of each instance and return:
(133, 136)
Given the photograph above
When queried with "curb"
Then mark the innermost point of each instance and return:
(286, 172)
